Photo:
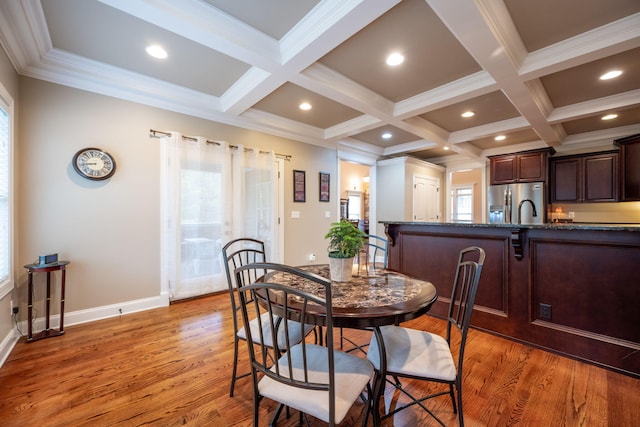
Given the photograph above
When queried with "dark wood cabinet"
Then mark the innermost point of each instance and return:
(528, 166)
(503, 169)
(584, 178)
(629, 167)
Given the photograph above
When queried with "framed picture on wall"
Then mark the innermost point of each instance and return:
(324, 187)
(299, 191)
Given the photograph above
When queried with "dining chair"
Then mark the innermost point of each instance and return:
(316, 380)
(237, 253)
(376, 248)
(422, 355)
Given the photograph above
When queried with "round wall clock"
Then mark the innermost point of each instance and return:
(93, 163)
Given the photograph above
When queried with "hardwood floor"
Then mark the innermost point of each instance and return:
(171, 366)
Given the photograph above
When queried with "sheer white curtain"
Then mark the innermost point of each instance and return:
(211, 193)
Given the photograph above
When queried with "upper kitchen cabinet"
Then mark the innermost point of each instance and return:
(527, 166)
(629, 167)
(584, 178)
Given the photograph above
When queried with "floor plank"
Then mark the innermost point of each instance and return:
(171, 366)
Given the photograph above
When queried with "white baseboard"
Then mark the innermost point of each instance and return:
(82, 316)
(113, 310)
(7, 345)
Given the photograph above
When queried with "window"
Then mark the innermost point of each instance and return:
(355, 205)
(462, 203)
(200, 220)
(6, 196)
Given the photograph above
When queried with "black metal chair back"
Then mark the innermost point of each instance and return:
(282, 301)
(376, 247)
(463, 296)
(437, 367)
(237, 253)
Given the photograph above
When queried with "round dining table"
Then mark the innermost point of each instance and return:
(371, 299)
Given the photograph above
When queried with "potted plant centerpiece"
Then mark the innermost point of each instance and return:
(345, 242)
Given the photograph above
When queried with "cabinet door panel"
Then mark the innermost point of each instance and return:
(503, 170)
(532, 167)
(600, 178)
(565, 181)
(631, 170)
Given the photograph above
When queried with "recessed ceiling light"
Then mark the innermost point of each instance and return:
(305, 106)
(610, 75)
(468, 114)
(394, 59)
(387, 135)
(500, 138)
(445, 148)
(156, 51)
(609, 117)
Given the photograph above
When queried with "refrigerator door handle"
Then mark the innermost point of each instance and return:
(507, 205)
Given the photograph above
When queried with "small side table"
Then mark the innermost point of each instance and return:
(45, 268)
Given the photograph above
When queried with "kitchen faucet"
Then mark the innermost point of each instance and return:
(533, 205)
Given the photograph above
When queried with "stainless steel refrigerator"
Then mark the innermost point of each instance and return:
(510, 202)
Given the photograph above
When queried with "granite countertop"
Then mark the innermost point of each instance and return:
(548, 226)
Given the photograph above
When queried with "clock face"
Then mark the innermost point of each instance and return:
(93, 163)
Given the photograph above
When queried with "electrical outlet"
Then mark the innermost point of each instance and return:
(15, 310)
(545, 311)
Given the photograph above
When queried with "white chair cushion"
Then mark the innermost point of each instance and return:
(295, 331)
(352, 373)
(414, 352)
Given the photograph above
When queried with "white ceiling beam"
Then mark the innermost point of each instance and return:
(468, 87)
(485, 29)
(323, 29)
(359, 124)
(610, 39)
(408, 147)
(490, 129)
(595, 106)
(197, 21)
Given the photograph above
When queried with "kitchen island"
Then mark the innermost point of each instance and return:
(570, 288)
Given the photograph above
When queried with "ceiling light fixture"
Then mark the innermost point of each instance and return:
(394, 59)
(305, 106)
(468, 114)
(156, 51)
(609, 117)
(610, 75)
(500, 138)
(387, 135)
(445, 148)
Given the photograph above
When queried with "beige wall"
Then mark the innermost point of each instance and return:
(351, 175)
(110, 230)
(471, 177)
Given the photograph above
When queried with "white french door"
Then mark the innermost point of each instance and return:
(212, 193)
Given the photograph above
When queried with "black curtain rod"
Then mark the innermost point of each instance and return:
(159, 133)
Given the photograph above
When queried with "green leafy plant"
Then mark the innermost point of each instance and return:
(345, 239)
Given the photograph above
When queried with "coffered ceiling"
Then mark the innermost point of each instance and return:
(529, 70)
